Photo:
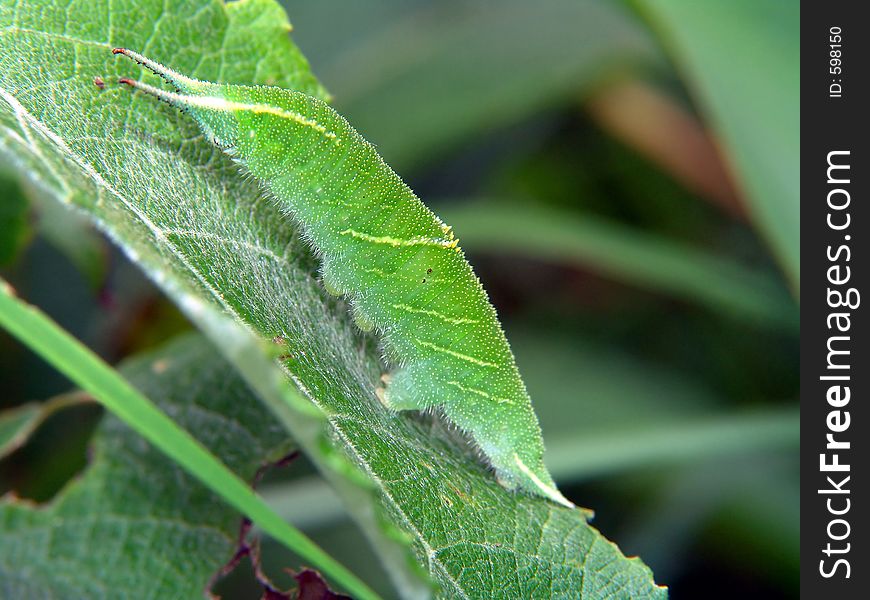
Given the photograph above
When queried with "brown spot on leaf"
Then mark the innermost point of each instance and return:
(251, 549)
(310, 586)
(278, 464)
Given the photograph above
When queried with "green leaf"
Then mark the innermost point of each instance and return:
(755, 109)
(574, 457)
(468, 67)
(84, 368)
(639, 258)
(210, 240)
(18, 424)
(632, 415)
(161, 531)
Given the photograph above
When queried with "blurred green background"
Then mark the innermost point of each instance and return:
(623, 176)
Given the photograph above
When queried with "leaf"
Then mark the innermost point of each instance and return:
(635, 257)
(84, 368)
(633, 415)
(209, 239)
(18, 424)
(136, 524)
(469, 67)
(718, 45)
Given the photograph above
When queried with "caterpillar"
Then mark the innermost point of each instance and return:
(398, 265)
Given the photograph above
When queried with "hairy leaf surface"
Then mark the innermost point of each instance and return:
(217, 247)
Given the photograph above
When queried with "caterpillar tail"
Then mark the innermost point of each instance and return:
(180, 82)
(545, 488)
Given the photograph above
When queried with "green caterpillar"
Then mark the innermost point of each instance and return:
(400, 267)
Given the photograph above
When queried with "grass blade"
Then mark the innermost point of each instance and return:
(572, 458)
(87, 370)
(717, 45)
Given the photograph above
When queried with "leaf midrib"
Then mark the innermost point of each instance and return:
(160, 235)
